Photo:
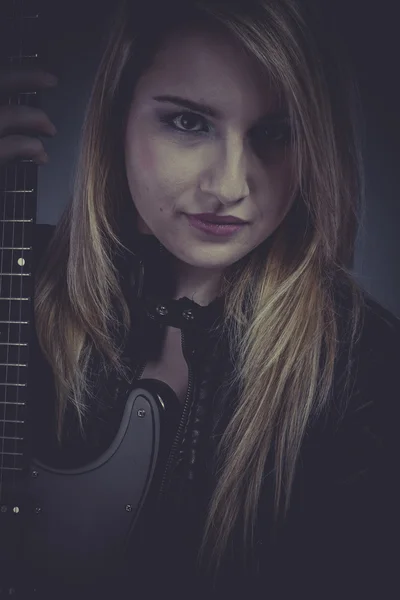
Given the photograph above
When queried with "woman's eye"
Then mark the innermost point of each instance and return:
(184, 121)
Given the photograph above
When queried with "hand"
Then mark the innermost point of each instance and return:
(20, 124)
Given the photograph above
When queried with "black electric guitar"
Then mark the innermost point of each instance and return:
(57, 522)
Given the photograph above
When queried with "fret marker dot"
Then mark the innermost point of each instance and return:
(21, 262)
(16, 509)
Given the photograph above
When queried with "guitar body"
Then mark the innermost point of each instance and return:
(73, 525)
(93, 509)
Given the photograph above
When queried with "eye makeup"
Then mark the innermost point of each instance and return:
(276, 126)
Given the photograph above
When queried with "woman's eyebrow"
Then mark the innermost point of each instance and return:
(191, 104)
(209, 110)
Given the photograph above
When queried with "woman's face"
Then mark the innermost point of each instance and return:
(181, 161)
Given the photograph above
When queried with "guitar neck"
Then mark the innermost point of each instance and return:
(20, 20)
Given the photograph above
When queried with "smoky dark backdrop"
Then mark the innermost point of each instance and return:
(75, 33)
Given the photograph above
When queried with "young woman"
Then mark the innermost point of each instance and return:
(283, 479)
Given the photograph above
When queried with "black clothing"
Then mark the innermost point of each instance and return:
(341, 533)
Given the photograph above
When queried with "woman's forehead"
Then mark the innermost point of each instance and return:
(212, 67)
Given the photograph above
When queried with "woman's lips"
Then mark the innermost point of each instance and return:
(218, 229)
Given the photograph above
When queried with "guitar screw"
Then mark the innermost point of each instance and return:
(141, 413)
(128, 508)
(38, 510)
(34, 473)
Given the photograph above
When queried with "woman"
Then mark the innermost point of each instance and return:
(283, 478)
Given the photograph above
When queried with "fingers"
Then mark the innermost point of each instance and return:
(19, 146)
(20, 125)
(14, 80)
(20, 119)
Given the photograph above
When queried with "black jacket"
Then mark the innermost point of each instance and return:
(341, 535)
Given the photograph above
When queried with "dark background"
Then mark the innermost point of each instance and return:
(75, 34)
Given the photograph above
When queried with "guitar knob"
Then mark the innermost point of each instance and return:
(162, 310)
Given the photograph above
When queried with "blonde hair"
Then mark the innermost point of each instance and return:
(281, 311)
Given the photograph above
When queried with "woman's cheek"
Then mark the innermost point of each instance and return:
(174, 165)
(145, 155)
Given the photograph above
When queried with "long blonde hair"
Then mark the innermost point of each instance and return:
(281, 312)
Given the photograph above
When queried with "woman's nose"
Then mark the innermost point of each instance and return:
(227, 174)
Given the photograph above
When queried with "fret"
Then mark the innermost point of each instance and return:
(16, 379)
(11, 248)
(14, 212)
(17, 191)
(8, 384)
(11, 421)
(10, 453)
(11, 344)
(12, 468)
(16, 220)
(17, 322)
(15, 274)
(27, 93)
(14, 15)
(13, 372)
(10, 464)
(14, 298)
(21, 57)
(12, 444)
(22, 17)
(21, 10)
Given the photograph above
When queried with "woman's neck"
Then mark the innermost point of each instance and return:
(200, 285)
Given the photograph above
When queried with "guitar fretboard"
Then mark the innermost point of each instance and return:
(18, 202)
